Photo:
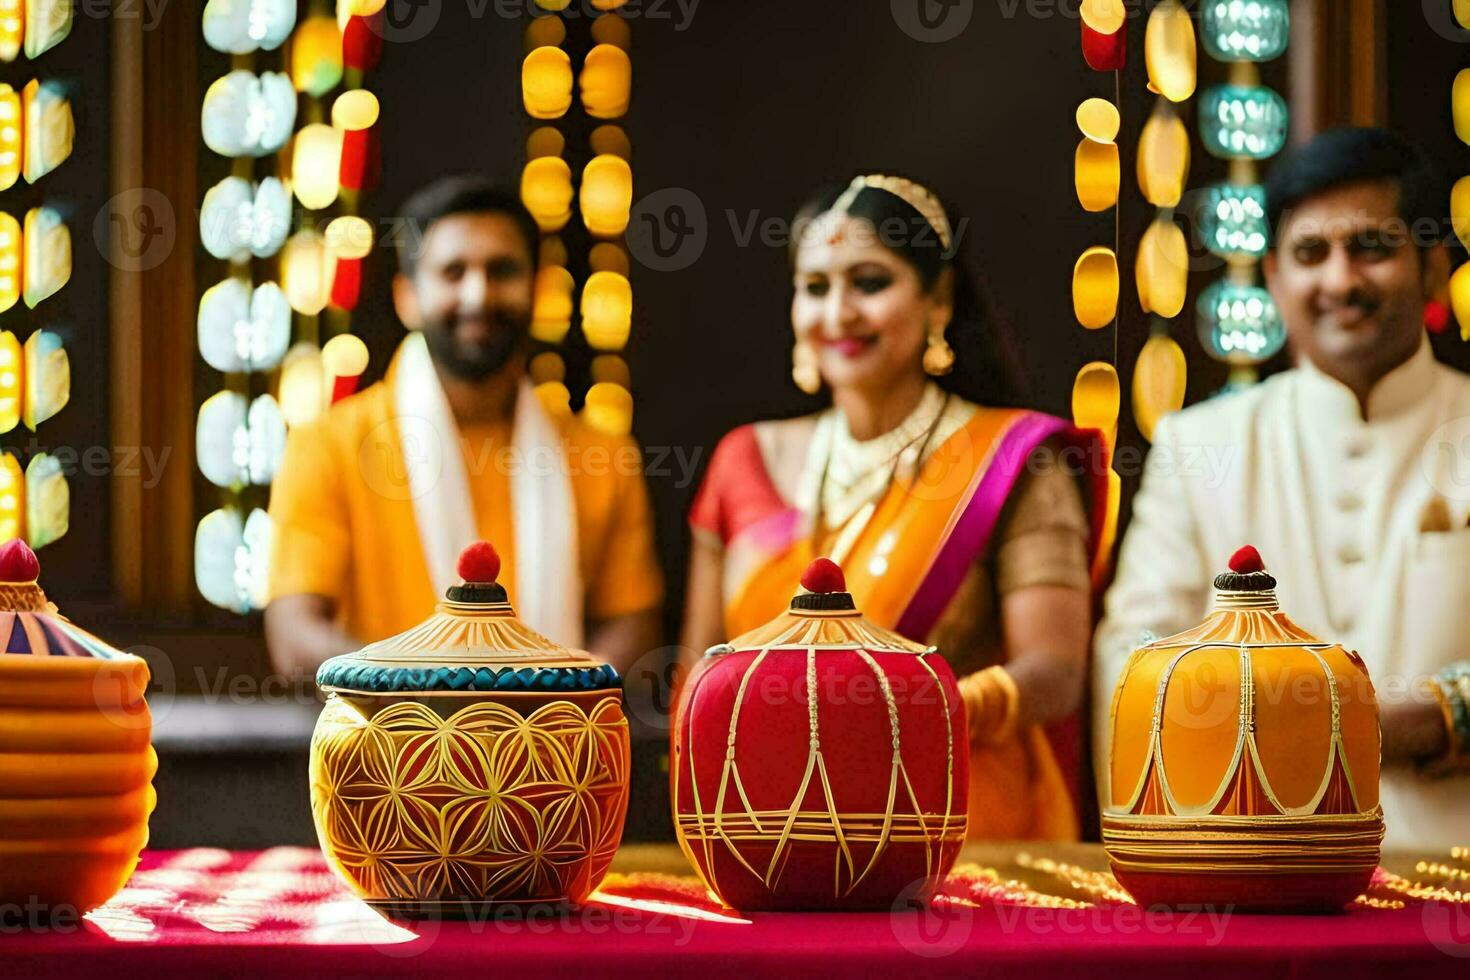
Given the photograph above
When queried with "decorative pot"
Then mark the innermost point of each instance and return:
(1244, 762)
(76, 766)
(820, 761)
(469, 761)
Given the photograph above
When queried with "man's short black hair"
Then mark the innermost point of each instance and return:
(1348, 156)
(459, 194)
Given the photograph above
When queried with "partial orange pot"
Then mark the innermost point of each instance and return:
(1244, 762)
(76, 766)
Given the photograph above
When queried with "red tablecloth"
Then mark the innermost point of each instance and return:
(207, 912)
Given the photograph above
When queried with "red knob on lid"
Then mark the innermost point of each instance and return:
(479, 563)
(18, 562)
(824, 575)
(1247, 560)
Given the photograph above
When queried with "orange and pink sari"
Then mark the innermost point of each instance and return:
(905, 569)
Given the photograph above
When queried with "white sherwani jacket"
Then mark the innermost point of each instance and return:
(1334, 503)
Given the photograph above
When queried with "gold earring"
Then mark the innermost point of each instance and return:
(938, 356)
(804, 368)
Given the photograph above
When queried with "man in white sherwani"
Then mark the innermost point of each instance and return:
(1350, 473)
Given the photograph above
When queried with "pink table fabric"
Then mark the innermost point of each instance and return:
(206, 912)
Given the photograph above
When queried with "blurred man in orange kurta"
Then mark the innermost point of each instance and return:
(375, 499)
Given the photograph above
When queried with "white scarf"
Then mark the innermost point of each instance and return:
(548, 580)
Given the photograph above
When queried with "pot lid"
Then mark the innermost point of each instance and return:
(29, 622)
(473, 643)
(822, 616)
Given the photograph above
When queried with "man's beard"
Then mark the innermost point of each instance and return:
(478, 361)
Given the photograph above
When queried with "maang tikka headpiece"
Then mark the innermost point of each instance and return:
(916, 196)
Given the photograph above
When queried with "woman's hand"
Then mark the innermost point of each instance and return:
(1046, 630)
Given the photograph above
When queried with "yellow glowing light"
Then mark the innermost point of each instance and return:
(606, 82)
(545, 32)
(1462, 13)
(607, 257)
(1170, 50)
(1099, 120)
(1095, 288)
(546, 191)
(552, 251)
(1460, 207)
(48, 501)
(547, 366)
(607, 5)
(1098, 175)
(11, 127)
(347, 9)
(316, 165)
(47, 378)
(612, 369)
(10, 266)
(303, 391)
(553, 4)
(1162, 269)
(47, 264)
(1460, 298)
(1461, 103)
(48, 22)
(612, 29)
(1104, 16)
(356, 109)
(316, 55)
(49, 128)
(555, 398)
(607, 195)
(610, 138)
(545, 141)
(546, 83)
(551, 315)
(344, 356)
(1163, 158)
(607, 310)
(350, 237)
(12, 497)
(609, 408)
(1095, 398)
(12, 28)
(307, 268)
(10, 381)
(1159, 380)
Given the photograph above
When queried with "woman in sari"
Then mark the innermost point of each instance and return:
(959, 523)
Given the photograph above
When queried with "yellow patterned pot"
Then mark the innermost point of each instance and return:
(469, 761)
(76, 766)
(1244, 762)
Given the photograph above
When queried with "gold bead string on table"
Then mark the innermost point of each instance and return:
(602, 200)
(36, 135)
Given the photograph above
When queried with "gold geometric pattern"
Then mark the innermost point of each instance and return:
(486, 804)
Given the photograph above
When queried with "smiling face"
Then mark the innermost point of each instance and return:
(470, 292)
(1350, 282)
(861, 307)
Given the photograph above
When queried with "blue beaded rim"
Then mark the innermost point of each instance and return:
(348, 674)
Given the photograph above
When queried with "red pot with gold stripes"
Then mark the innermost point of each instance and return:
(820, 762)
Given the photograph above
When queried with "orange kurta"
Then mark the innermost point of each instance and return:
(345, 527)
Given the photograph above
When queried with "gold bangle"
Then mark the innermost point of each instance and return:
(992, 705)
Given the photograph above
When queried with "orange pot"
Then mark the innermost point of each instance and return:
(75, 760)
(1244, 762)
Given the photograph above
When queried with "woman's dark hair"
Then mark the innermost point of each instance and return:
(459, 194)
(1349, 156)
(986, 368)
